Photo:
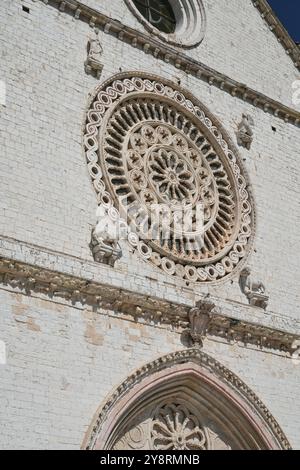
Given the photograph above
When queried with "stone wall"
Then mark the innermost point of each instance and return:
(238, 43)
(44, 171)
(63, 361)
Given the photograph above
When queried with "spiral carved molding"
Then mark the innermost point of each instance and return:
(148, 142)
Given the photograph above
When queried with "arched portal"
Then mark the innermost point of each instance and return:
(185, 400)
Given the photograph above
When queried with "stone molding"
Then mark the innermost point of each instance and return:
(180, 361)
(150, 45)
(279, 30)
(29, 278)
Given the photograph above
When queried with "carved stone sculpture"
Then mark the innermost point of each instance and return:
(245, 131)
(93, 65)
(199, 321)
(104, 243)
(254, 291)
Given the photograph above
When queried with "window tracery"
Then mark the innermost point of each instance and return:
(149, 143)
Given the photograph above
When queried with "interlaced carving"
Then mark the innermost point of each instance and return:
(157, 146)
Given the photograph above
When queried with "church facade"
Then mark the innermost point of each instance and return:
(149, 229)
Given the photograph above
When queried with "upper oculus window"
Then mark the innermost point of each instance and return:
(178, 22)
(159, 13)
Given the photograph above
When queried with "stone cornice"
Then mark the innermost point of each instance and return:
(249, 333)
(149, 44)
(278, 29)
(57, 284)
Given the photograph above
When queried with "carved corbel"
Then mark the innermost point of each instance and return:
(200, 317)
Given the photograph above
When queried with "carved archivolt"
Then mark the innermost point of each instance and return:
(184, 401)
(147, 142)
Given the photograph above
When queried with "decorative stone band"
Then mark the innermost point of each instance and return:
(150, 45)
(161, 370)
(27, 278)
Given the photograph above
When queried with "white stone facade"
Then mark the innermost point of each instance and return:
(65, 357)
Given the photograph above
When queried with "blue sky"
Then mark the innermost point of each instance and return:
(288, 11)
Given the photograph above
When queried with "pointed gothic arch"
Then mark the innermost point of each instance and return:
(185, 400)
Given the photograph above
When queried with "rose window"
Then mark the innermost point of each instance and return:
(150, 145)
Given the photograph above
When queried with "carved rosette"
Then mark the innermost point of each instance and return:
(175, 428)
(169, 426)
(148, 143)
